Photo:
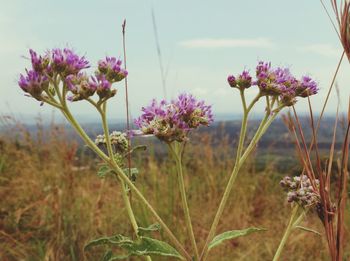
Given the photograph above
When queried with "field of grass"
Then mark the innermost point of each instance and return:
(53, 203)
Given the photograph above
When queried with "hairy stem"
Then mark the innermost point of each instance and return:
(176, 150)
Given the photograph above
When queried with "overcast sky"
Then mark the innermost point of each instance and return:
(201, 43)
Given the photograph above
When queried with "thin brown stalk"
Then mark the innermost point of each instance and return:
(343, 193)
(127, 101)
(303, 142)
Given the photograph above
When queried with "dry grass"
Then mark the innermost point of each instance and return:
(52, 202)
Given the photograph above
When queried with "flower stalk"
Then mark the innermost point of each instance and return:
(294, 221)
(241, 156)
(176, 150)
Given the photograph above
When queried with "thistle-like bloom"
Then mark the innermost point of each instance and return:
(118, 140)
(66, 62)
(111, 69)
(39, 63)
(301, 191)
(306, 87)
(232, 81)
(173, 121)
(244, 80)
(33, 83)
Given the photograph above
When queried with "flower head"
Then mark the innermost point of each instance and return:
(232, 81)
(172, 121)
(118, 140)
(276, 82)
(66, 62)
(306, 87)
(111, 69)
(39, 63)
(102, 86)
(244, 80)
(33, 83)
(301, 191)
(80, 86)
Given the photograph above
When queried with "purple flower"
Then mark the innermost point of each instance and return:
(39, 63)
(172, 121)
(262, 70)
(232, 81)
(66, 62)
(306, 87)
(276, 82)
(244, 80)
(33, 83)
(111, 69)
(102, 86)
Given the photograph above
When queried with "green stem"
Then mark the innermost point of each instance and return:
(176, 150)
(265, 123)
(293, 222)
(127, 181)
(125, 197)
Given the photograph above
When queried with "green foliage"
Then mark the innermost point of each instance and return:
(136, 149)
(143, 246)
(151, 228)
(132, 173)
(309, 230)
(103, 171)
(219, 239)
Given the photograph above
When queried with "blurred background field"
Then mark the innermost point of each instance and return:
(52, 201)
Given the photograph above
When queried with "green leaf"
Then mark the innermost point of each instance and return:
(151, 228)
(103, 171)
(233, 234)
(107, 256)
(132, 174)
(136, 148)
(309, 230)
(143, 246)
(118, 240)
(149, 246)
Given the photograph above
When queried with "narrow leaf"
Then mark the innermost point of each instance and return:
(118, 240)
(136, 148)
(142, 246)
(152, 228)
(233, 234)
(107, 256)
(309, 230)
(149, 246)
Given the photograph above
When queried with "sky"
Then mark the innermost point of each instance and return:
(201, 43)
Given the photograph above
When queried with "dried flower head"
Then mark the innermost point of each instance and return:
(118, 140)
(80, 86)
(173, 121)
(301, 191)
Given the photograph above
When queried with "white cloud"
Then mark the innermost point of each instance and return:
(227, 43)
(322, 49)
